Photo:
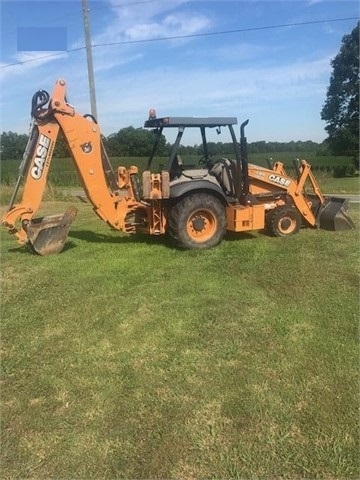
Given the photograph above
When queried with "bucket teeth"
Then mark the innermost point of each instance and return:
(47, 235)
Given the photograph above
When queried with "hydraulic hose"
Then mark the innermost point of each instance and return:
(39, 100)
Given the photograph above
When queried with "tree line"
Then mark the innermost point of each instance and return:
(138, 142)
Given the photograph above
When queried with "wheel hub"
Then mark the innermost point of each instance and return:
(285, 223)
(198, 224)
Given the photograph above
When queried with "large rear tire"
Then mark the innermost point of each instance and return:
(198, 221)
(283, 221)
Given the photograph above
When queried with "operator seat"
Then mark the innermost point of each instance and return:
(179, 161)
(177, 167)
(224, 172)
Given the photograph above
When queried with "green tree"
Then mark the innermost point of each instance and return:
(133, 142)
(341, 108)
(12, 145)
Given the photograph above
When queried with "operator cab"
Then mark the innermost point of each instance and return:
(229, 173)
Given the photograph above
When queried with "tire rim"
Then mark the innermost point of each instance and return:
(287, 225)
(201, 225)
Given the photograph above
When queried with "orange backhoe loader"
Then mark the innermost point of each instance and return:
(195, 204)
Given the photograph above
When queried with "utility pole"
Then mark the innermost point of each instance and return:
(89, 58)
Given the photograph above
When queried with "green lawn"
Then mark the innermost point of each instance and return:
(124, 357)
(346, 185)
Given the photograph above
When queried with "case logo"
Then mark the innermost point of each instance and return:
(284, 182)
(41, 154)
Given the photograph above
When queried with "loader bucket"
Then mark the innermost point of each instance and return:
(47, 235)
(332, 215)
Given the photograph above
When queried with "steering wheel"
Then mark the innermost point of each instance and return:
(206, 161)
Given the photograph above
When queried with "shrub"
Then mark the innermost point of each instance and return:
(350, 169)
(339, 171)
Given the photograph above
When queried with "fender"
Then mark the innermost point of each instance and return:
(179, 189)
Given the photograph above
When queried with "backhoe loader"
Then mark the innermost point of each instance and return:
(195, 204)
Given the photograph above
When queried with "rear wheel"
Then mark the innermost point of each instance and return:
(198, 221)
(283, 221)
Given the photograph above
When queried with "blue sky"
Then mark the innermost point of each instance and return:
(276, 77)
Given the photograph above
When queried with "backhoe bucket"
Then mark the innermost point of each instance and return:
(47, 235)
(332, 215)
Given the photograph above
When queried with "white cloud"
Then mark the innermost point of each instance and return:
(205, 92)
(125, 97)
(170, 26)
(313, 2)
(25, 62)
(243, 51)
(135, 21)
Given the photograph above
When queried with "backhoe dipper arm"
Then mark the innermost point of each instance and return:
(34, 168)
(84, 142)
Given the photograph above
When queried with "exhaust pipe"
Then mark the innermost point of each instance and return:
(244, 158)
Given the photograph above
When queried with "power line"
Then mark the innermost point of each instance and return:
(223, 32)
(55, 54)
(178, 37)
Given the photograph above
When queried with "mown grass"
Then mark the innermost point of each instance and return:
(124, 357)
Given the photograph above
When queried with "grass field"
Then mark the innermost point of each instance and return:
(124, 357)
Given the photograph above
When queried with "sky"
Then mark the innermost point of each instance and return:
(257, 60)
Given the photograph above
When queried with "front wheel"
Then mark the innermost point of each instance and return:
(198, 221)
(283, 221)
